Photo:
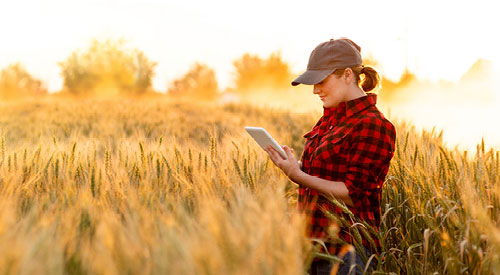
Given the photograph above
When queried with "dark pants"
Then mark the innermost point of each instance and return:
(353, 264)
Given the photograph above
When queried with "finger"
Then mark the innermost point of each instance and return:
(270, 149)
(277, 154)
(288, 151)
(283, 146)
(273, 155)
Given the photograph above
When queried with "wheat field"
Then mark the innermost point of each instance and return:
(163, 186)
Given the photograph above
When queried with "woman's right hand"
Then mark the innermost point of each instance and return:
(290, 166)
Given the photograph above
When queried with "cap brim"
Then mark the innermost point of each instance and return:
(311, 77)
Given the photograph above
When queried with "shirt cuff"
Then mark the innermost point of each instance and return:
(360, 184)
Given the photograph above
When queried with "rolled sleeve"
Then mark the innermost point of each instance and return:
(368, 160)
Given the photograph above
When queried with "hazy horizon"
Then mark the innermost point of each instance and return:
(432, 43)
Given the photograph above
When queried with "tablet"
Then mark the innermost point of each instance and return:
(263, 138)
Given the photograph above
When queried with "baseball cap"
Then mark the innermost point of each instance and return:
(327, 57)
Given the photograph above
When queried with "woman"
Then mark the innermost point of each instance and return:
(347, 153)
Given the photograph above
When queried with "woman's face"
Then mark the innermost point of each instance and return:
(331, 90)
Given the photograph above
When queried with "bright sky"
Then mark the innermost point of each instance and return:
(437, 39)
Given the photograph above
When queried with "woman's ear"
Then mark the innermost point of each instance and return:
(348, 75)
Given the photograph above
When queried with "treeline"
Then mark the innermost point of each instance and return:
(111, 68)
(15, 82)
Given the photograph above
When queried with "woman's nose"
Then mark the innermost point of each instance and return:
(316, 90)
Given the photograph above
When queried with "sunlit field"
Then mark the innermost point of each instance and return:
(163, 186)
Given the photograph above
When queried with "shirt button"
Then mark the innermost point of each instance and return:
(331, 127)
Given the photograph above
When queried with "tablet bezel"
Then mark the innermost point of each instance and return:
(263, 138)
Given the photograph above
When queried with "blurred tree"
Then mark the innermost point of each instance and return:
(16, 82)
(481, 70)
(198, 82)
(254, 72)
(478, 83)
(107, 68)
(388, 88)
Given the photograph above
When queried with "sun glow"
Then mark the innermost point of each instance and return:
(435, 45)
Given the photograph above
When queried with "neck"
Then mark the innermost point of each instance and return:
(353, 93)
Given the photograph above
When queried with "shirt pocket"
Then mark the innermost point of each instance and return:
(309, 147)
(332, 144)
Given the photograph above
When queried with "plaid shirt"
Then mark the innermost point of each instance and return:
(352, 143)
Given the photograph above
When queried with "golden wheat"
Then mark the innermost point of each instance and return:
(156, 186)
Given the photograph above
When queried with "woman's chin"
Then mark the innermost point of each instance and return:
(329, 105)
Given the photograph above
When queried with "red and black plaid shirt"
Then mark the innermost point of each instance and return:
(352, 143)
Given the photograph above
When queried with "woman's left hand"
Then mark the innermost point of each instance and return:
(290, 166)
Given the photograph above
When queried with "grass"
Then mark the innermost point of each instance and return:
(122, 186)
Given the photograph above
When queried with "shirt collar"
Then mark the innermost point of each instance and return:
(349, 108)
